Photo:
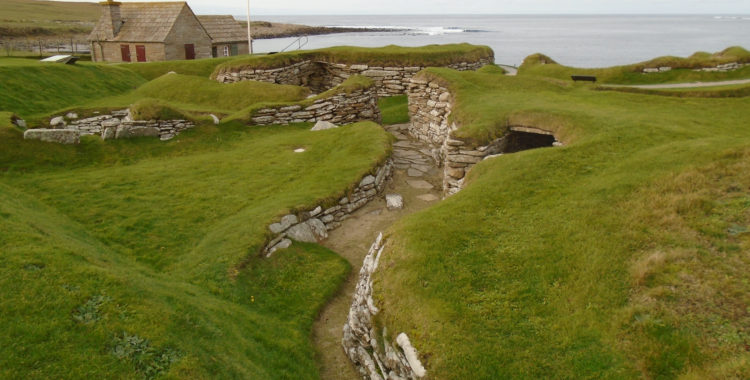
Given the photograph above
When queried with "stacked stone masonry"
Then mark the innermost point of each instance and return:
(321, 76)
(430, 106)
(117, 125)
(376, 360)
(337, 109)
(312, 226)
(719, 68)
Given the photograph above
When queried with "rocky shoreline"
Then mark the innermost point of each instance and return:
(262, 30)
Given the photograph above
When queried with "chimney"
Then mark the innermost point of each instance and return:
(110, 18)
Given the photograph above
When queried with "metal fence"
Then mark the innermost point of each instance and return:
(43, 46)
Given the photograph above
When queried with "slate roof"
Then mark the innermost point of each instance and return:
(144, 22)
(223, 28)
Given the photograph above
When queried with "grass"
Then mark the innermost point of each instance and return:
(394, 109)
(128, 252)
(24, 18)
(392, 55)
(34, 88)
(197, 67)
(622, 254)
(727, 91)
(682, 71)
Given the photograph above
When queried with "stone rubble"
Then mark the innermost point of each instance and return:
(313, 225)
(118, 124)
(321, 76)
(360, 340)
(394, 201)
(336, 109)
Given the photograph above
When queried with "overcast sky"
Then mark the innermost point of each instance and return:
(329, 7)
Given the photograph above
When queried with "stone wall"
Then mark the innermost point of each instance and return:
(320, 76)
(361, 338)
(312, 226)
(430, 105)
(719, 68)
(116, 125)
(339, 108)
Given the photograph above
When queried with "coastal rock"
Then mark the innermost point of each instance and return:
(71, 115)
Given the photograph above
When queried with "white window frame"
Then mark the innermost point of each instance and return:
(226, 51)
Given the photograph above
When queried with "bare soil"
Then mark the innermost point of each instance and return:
(353, 239)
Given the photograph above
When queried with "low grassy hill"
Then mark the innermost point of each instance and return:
(35, 18)
(623, 254)
(682, 68)
(28, 87)
(138, 258)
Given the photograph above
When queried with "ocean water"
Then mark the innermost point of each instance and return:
(581, 41)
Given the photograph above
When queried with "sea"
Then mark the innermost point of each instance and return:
(581, 41)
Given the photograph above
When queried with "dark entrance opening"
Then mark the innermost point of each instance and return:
(517, 141)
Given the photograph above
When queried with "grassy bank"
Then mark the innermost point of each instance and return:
(34, 88)
(128, 252)
(682, 69)
(620, 255)
(392, 55)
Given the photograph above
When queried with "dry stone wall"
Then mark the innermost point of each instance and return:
(430, 106)
(320, 76)
(361, 338)
(117, 125)
(312, 226)
(339, 108)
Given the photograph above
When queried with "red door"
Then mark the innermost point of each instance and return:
(140, 53)
(189, 51)
(125, 51)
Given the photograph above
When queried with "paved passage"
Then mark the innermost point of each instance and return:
(683, 85)
(419, 181)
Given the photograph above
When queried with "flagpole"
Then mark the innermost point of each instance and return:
(249, 37)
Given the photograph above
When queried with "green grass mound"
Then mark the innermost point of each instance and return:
(725, 91)
(33, 88)
(682, 69)
(138, 258)
(196, 67)
(392, 55)
(622, 254)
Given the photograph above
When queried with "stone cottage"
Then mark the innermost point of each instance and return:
(141, 32)
(228, 37)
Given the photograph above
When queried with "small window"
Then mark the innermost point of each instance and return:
(235, 50)
(226, 51)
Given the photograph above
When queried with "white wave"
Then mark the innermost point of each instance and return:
(422, 30)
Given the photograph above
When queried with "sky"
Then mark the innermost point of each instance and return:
(382, 7)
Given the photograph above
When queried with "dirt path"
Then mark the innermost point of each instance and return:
(356, 234)
(684, 85)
